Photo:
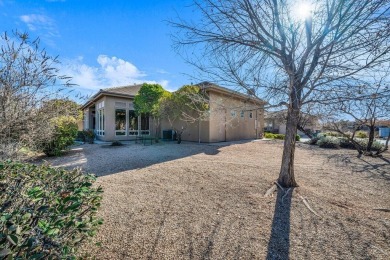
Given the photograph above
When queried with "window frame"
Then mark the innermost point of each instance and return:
(120, 132)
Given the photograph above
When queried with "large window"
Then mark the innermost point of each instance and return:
(120, 121)
(133, 123)
(145, 125)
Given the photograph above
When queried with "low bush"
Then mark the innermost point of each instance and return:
(376, 146)
(80, 136)
(268, 135)
(334, 134)
(89, 136)
(45, 212)
(65, 132)
(345, 143)
(116, 143)
(361, 134)
(329, 142)
(279, 136)
(313, 141)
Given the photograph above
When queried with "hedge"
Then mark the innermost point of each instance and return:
(45, 212)
(279, 136)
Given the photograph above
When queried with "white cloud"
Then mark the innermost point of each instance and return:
(43, 25)
(111, 72)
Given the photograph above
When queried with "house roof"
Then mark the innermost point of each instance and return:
(131, 90)
(281, 114)
(214, 87)
(123, 91)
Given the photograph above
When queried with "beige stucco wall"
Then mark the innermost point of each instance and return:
(226, 127)
(191, 131)
(218, 127)
(109, 121)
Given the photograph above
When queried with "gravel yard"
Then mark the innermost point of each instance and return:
(199, 201)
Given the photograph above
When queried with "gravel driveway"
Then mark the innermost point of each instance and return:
(199, 201)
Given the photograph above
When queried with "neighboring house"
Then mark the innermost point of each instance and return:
(231, 116)
(275, 122)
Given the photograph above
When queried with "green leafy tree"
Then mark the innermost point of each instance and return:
(187, 105)
(147, 102)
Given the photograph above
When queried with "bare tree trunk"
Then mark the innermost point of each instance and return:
(371, 136)
(286, 176)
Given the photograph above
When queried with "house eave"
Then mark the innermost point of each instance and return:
(102, 93)
(232, 93)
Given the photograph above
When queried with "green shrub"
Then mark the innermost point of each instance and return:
(329, 142)
(361, 134)
(279, 136)
(45, 212)
(80, 136)
(269, 135)
(334, 134)
(65, 132)
(376, 146)
(116, 143)
(313, 141)
(345, 143)
(89, 135)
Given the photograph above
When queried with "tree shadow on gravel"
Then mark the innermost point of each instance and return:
(372, 167)
(279, 242)
(162, 220)
(100, 160)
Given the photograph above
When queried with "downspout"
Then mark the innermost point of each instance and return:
(199, 130)
(257, 130)
(225, 124)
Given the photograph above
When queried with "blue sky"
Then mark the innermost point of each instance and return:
(105, 43)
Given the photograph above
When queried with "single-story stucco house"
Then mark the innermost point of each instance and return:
(231, 116)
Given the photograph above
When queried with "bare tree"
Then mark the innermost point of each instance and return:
(28, 77)
(286, 52)
(365, 104)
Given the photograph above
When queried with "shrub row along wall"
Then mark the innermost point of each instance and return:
(336, 143)
(279, 136)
